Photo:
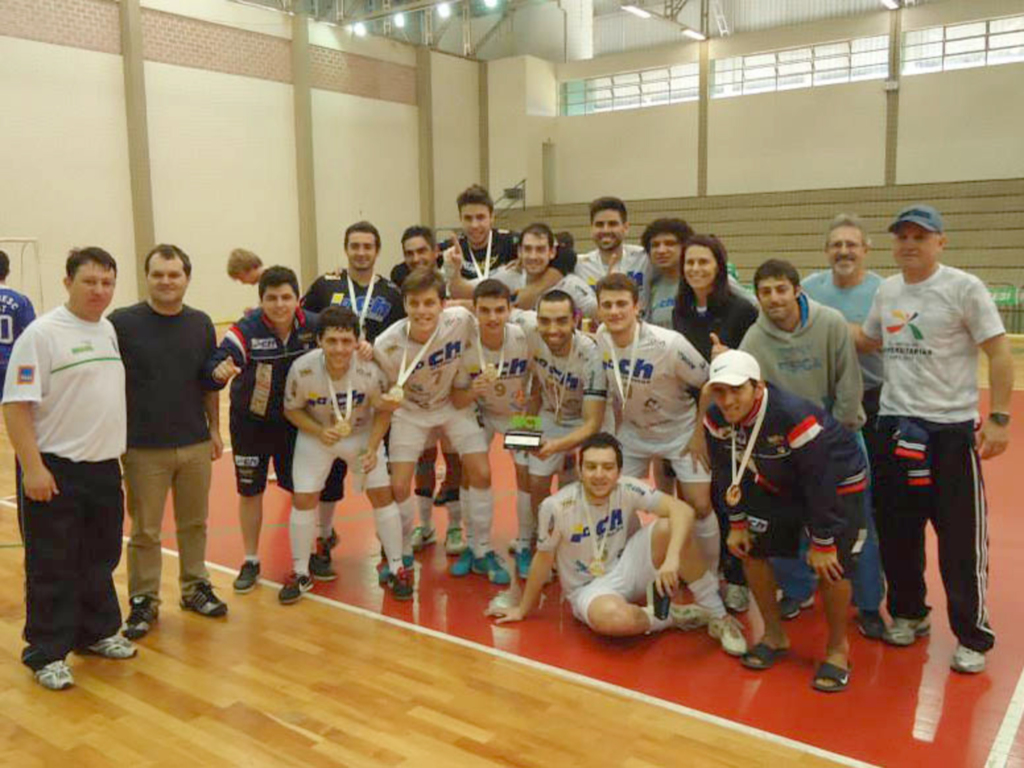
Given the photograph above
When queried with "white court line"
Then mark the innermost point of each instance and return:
(999, 757)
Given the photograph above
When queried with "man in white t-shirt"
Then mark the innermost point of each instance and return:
(930, 321)
(609, 224)
(334, 400)
(420, 355)
(66, 415)
(608, 560)
(655, 376)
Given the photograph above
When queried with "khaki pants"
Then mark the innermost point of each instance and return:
(149, 473)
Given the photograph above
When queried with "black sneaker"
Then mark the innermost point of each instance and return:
(293, 588)
(141, 617)
(871, 624)
(445, 496)
(204, 602)
(247, 577)
(332, 540)
(320, 561)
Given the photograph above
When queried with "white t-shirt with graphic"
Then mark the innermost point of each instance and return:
(307, 388)
(566, 382)
(930, 333)
(575, 530)
(507, 395)
(429, 387)
(634, 262)
(574, 285)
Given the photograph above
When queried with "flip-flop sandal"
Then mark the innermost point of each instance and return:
(762, 657)
(837, 675)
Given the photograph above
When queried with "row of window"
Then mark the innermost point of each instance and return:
(959, 46)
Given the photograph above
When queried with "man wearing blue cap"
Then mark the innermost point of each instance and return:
(929, 321)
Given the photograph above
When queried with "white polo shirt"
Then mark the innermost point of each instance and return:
(71, 370)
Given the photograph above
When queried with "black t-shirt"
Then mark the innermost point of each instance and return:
(505, 248)
(163, 358)
(385, 305)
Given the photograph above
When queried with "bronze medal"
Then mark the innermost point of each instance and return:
(733, 496)
(344, 427)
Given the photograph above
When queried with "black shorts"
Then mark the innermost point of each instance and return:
(779, 536)
(254, 443)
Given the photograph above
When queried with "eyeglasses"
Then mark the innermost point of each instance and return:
(850, 244)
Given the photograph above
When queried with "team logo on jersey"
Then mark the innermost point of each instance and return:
(610, 523)
(642, 370)
(26, 374)
(757, 525)
(904, 320)
(263, 344)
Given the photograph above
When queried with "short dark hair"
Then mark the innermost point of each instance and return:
(778, 269)
(686, 299)
(541, 230)
(167, 251)
(365, 227)
(602, 440)
(5, 266)
(423, 279)
(557, 295)
(418, 230)
(340, 318)
(491, 289)
(617, 281)
(273, 277)
(677, 227)
(565, 239)
(608, 204)
(89, 255)
(475, 195)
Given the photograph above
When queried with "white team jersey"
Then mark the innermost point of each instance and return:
(660, 410)
(634, 262)
(429, 387)
(576, 531)
(507, 395)
(567, 381)
(307, 387)
(574, 285)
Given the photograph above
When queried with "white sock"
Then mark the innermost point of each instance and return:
(326, 512)
(301, 532)
(527, 525)
(709, 540)
(389, 531)
(481, 514)
(454, 514)
(425, 506)
(252, 559)
(705, 593)
(657, 625)
(408, 514)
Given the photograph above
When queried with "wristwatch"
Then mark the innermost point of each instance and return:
(999, 419)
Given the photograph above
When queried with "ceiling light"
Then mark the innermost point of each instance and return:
(360, 29)
(693, 34)
(636, 11)
(400, 20)
(491, 3)
(444, 10)
(892, 5)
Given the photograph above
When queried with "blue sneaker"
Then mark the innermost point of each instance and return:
(407, 561)
(490, 566)
(524, 557)
(463, 565)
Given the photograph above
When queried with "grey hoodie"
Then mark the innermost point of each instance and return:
(817, 361)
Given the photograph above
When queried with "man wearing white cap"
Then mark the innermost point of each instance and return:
(783, 464)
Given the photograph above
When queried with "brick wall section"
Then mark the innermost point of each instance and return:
(89, 24)
(201, 45)
(332, 70)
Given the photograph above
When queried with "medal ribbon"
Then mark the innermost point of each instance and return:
(624, 392)
(560, 391)
(366, 301)
(737, 471)
(403, 372)
(501, 356)
(599, 545)
(487, 263)
(334, 394)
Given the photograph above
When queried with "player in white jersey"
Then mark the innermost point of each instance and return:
(607, 560)
(335, 401)
(421, 356)
(653, 374)
(498, 366)
(609, 224)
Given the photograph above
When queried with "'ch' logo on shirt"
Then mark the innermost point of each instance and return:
(903, 320)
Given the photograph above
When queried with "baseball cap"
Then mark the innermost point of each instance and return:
(734, 368)
(922, 215)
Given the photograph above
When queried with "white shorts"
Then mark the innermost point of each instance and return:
(628, 578)
(411, 431)
(636, 463)
(554, 463)
(492, 428)
(312, 462)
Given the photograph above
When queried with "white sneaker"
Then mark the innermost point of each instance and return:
(690, 616)
(113, 647)
(56, 676)
(737, 598)
(729, 632)
(422, 537)
(967, 660)
(454, 542)
(906, 631)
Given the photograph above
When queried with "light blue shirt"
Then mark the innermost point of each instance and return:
(854, 304)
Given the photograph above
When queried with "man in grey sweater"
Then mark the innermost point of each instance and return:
(806, 348)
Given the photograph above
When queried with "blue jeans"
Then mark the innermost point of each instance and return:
(798, 581)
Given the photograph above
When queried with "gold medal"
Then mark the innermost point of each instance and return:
(491, 372)
(733, 496)
(396, 393)
(344, 427)
(596, 567)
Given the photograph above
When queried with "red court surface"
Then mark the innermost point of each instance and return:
(904, 707)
